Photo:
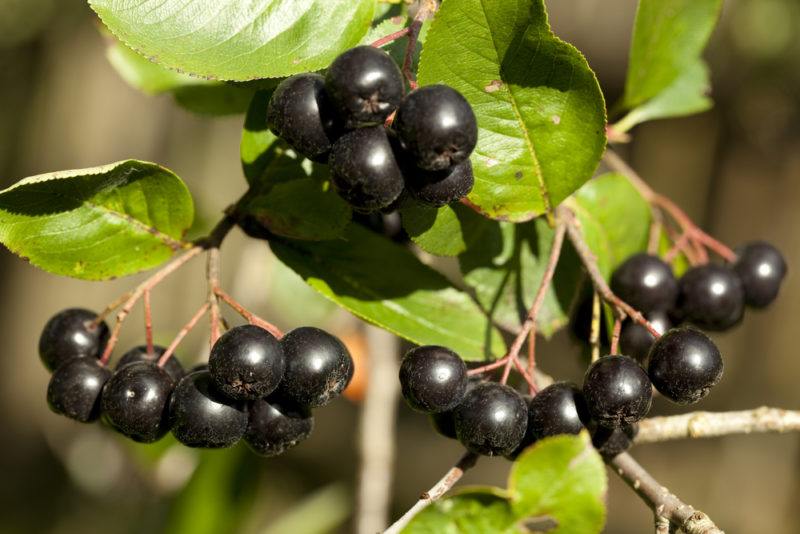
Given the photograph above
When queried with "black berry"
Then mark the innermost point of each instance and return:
(711, 297)
(491, 420)
(364, 170)
(318, 367)
(433, 379)
(610, 442)
(645, 282)
(617, 391)
(580, 323)
(75, 387)
(437, 126)
(173, 366)
(247, 362)
(69, 334)
(201, 416)
(684, 365)
(439, 188)
(365, 85)
(635, 340)
(761, 268)
(134, 401)
(445, 422)
(274, 426)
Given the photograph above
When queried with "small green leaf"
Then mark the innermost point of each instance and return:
(229, 40)
(97, 223)
(477, 511)
(541, 115)
(385, 284)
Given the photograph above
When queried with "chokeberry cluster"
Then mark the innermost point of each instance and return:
(341, 119)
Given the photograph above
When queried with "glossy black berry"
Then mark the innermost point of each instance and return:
(201, 416)
(365, 85)
(635, 340)
(75, 387)
(439, 188)
(436, 126)
(645, 282)
(300, 113)
(247, 362)
(134, 401)
(580, 322)
(491, 420)
(71, 333)
(611, 442)
(711, 297)
(275, 426)
(318, 367)
(761, 268)
(433, 379)
(444, 423)
(684, 365)
(617, 391)
(173, 366)
(364, 170)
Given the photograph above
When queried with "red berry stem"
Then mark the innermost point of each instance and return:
(212, 275)
(386, 39)
(248, 315)
(615, 336)
(182, 334)
(148, 321)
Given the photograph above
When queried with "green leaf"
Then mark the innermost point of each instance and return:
(541, 115)
(560, 479)
(97, 223)
(446, 231)
(385, 284)
(229, 40)
(477, 511)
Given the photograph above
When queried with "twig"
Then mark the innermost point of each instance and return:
(148, 321)
(182, 334)
(212, 275)
(386, 39)
(615, 336)
(663, 503)
(248, 315)
(594, 332)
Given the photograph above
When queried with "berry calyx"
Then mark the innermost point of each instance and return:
(318, 367)
(69, 334)
(274, 426)
(711, 297)
(247, 362)
(635, 340)
(684, 365)
(761, 268)
(173, 366)
(439, 188)
(134, 401)
(617, 391)
(433, 379)
(75, 387)
(491, 420)
(645, 282)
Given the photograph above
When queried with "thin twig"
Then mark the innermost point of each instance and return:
(110, 308)
(212, 276)
(182, 334)
(615, 335)
(148, 321)
(386, 39)
(248, 315)
(594, 331)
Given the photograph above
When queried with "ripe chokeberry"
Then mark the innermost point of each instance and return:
(684, 365)
(72, 333)
(610, 442)
(433, 379)
(274, 426)
(444, 422)
(365, 85)
(439, 188)
(75, 387)
(711, 297)
(491, 420)
(645, 282)
(761, 268)
(436, 126)
(364, 170)
(300, 113)
(134, 401)
(201, 416)
(318, 367)
(635, 340)
(247, 362)
(617, 391)
(173, 366)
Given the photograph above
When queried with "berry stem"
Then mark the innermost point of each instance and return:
(212, 275)
(531, 361)
(148, 321)
(386, 39)
(615, 336)
(248, 315)
(594, 333)
(119, 301)
(488, 367)
(182, 334)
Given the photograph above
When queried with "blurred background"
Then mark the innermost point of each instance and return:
(735, 169)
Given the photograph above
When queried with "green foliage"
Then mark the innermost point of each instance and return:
(97, 223)
(226, 40)
(473, 511)
(541, 115)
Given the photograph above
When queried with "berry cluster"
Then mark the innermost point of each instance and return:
(255, 386)
(340, 119)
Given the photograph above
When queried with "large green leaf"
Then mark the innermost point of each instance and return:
(385, 284)
(231, 40)
(475, 511)
(447, 231)
(97, 223)
(541, 115)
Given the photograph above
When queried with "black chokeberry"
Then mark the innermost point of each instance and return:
(172, 366)
(364, 170)
(75, 387)
(761, 268)
(69, 334)
(275, 426)
(645, 282)
(491, 420)
(617, 391)
(134, 401)
(300, 113)
(318, 367)
(365, 85)
(445, 422)
(247, 362)
(437, 126)
(684, 365)
(611, 442)
(439, 188)
(711, 297)
(433, 379)
(201, 416)
(635, 340)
